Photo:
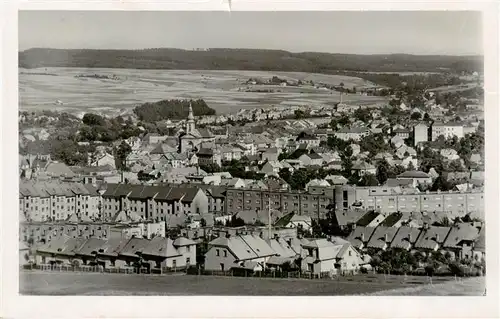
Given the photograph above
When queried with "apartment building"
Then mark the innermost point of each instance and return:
(153, 202)
(308, 203)
(392, 199)
(53, 200)
(449, 129)
(37, 232)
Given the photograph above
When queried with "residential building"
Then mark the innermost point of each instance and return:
(432, 238)
(53, 200)
(417, 177)
(448, 130)
(460, 241)
(390, 200)
(310, 203)
(325, 257)
(226, 253)
(355, 133)
(362, 168)
(153, 202)
(311, 159)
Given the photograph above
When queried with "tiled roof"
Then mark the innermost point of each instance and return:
(413, 174)
(382, 236)
(461, 232)
(360, 235)
(431, 237)
(134, 247)
(405, 237)
(162, 247)
(91, 245)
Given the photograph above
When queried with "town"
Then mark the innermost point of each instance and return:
(307, 190)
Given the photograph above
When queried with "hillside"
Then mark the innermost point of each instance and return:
(246, 59)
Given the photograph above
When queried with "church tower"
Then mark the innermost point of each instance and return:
(190, 122)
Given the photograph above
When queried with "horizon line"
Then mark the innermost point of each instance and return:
(242, 48)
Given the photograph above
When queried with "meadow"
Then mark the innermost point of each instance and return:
(68, 283)
(224, 91)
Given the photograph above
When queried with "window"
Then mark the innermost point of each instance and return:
(188, 260)
(188, 248)
(225, 253)
(174, 263)
(350, 253)
(217, 252)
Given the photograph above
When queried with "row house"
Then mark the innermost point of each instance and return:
(44, 201)
(389, 200)
(302, 203)
(35, 232)
(154, 202)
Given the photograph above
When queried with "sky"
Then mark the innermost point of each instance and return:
(369, 32)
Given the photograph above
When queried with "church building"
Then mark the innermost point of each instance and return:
(193, 137)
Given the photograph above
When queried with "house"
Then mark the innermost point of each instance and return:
(103, 160)
(382, 237)
(362, 168)
(325, 257)
(370, 219)
(226, 253)
(360, 236)
(87, 252)
(317, 182)
(59, 251)
(309, 140)
(162, 253)
(270, 155)
(460, 240)
(336, 180)
(417, 177)
(432, 238)
(271, 168)
(311, 159)
(293, 220)
(131, 252)
(355, 133)
(284, 252)
(402, 133)
(107, 254)
(405, 237)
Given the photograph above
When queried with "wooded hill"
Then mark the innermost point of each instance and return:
(247, 59)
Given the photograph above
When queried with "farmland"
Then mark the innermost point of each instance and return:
(119, 90)
(40, 283)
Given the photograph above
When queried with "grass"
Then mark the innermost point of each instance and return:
(47, 283)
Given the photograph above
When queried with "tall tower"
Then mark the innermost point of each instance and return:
(190, 122)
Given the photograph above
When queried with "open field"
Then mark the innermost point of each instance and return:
(466, 287)
(46, 283)
(41, 88)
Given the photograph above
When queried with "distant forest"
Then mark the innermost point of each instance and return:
(171, 110)
(247, 59)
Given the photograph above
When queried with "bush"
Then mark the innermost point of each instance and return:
(363, 270)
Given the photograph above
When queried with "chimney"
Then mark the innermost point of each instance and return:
(386, 238)
(409, 237)
(363, 237)
(437, 238)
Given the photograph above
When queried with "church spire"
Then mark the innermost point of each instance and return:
(190, 122)
(190, 116)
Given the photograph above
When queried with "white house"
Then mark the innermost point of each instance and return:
(325, 257)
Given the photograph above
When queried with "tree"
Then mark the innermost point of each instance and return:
(91, 119)
(441, 184)
(203, 222)
(426, 117)
(121, 154)
(411, 167)
(363, 114)
(368, 180)
(416, 116)
(383, 171)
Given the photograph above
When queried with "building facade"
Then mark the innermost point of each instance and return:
(389, 200)
(310, 203)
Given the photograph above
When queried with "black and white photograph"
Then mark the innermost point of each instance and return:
(273, 153)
